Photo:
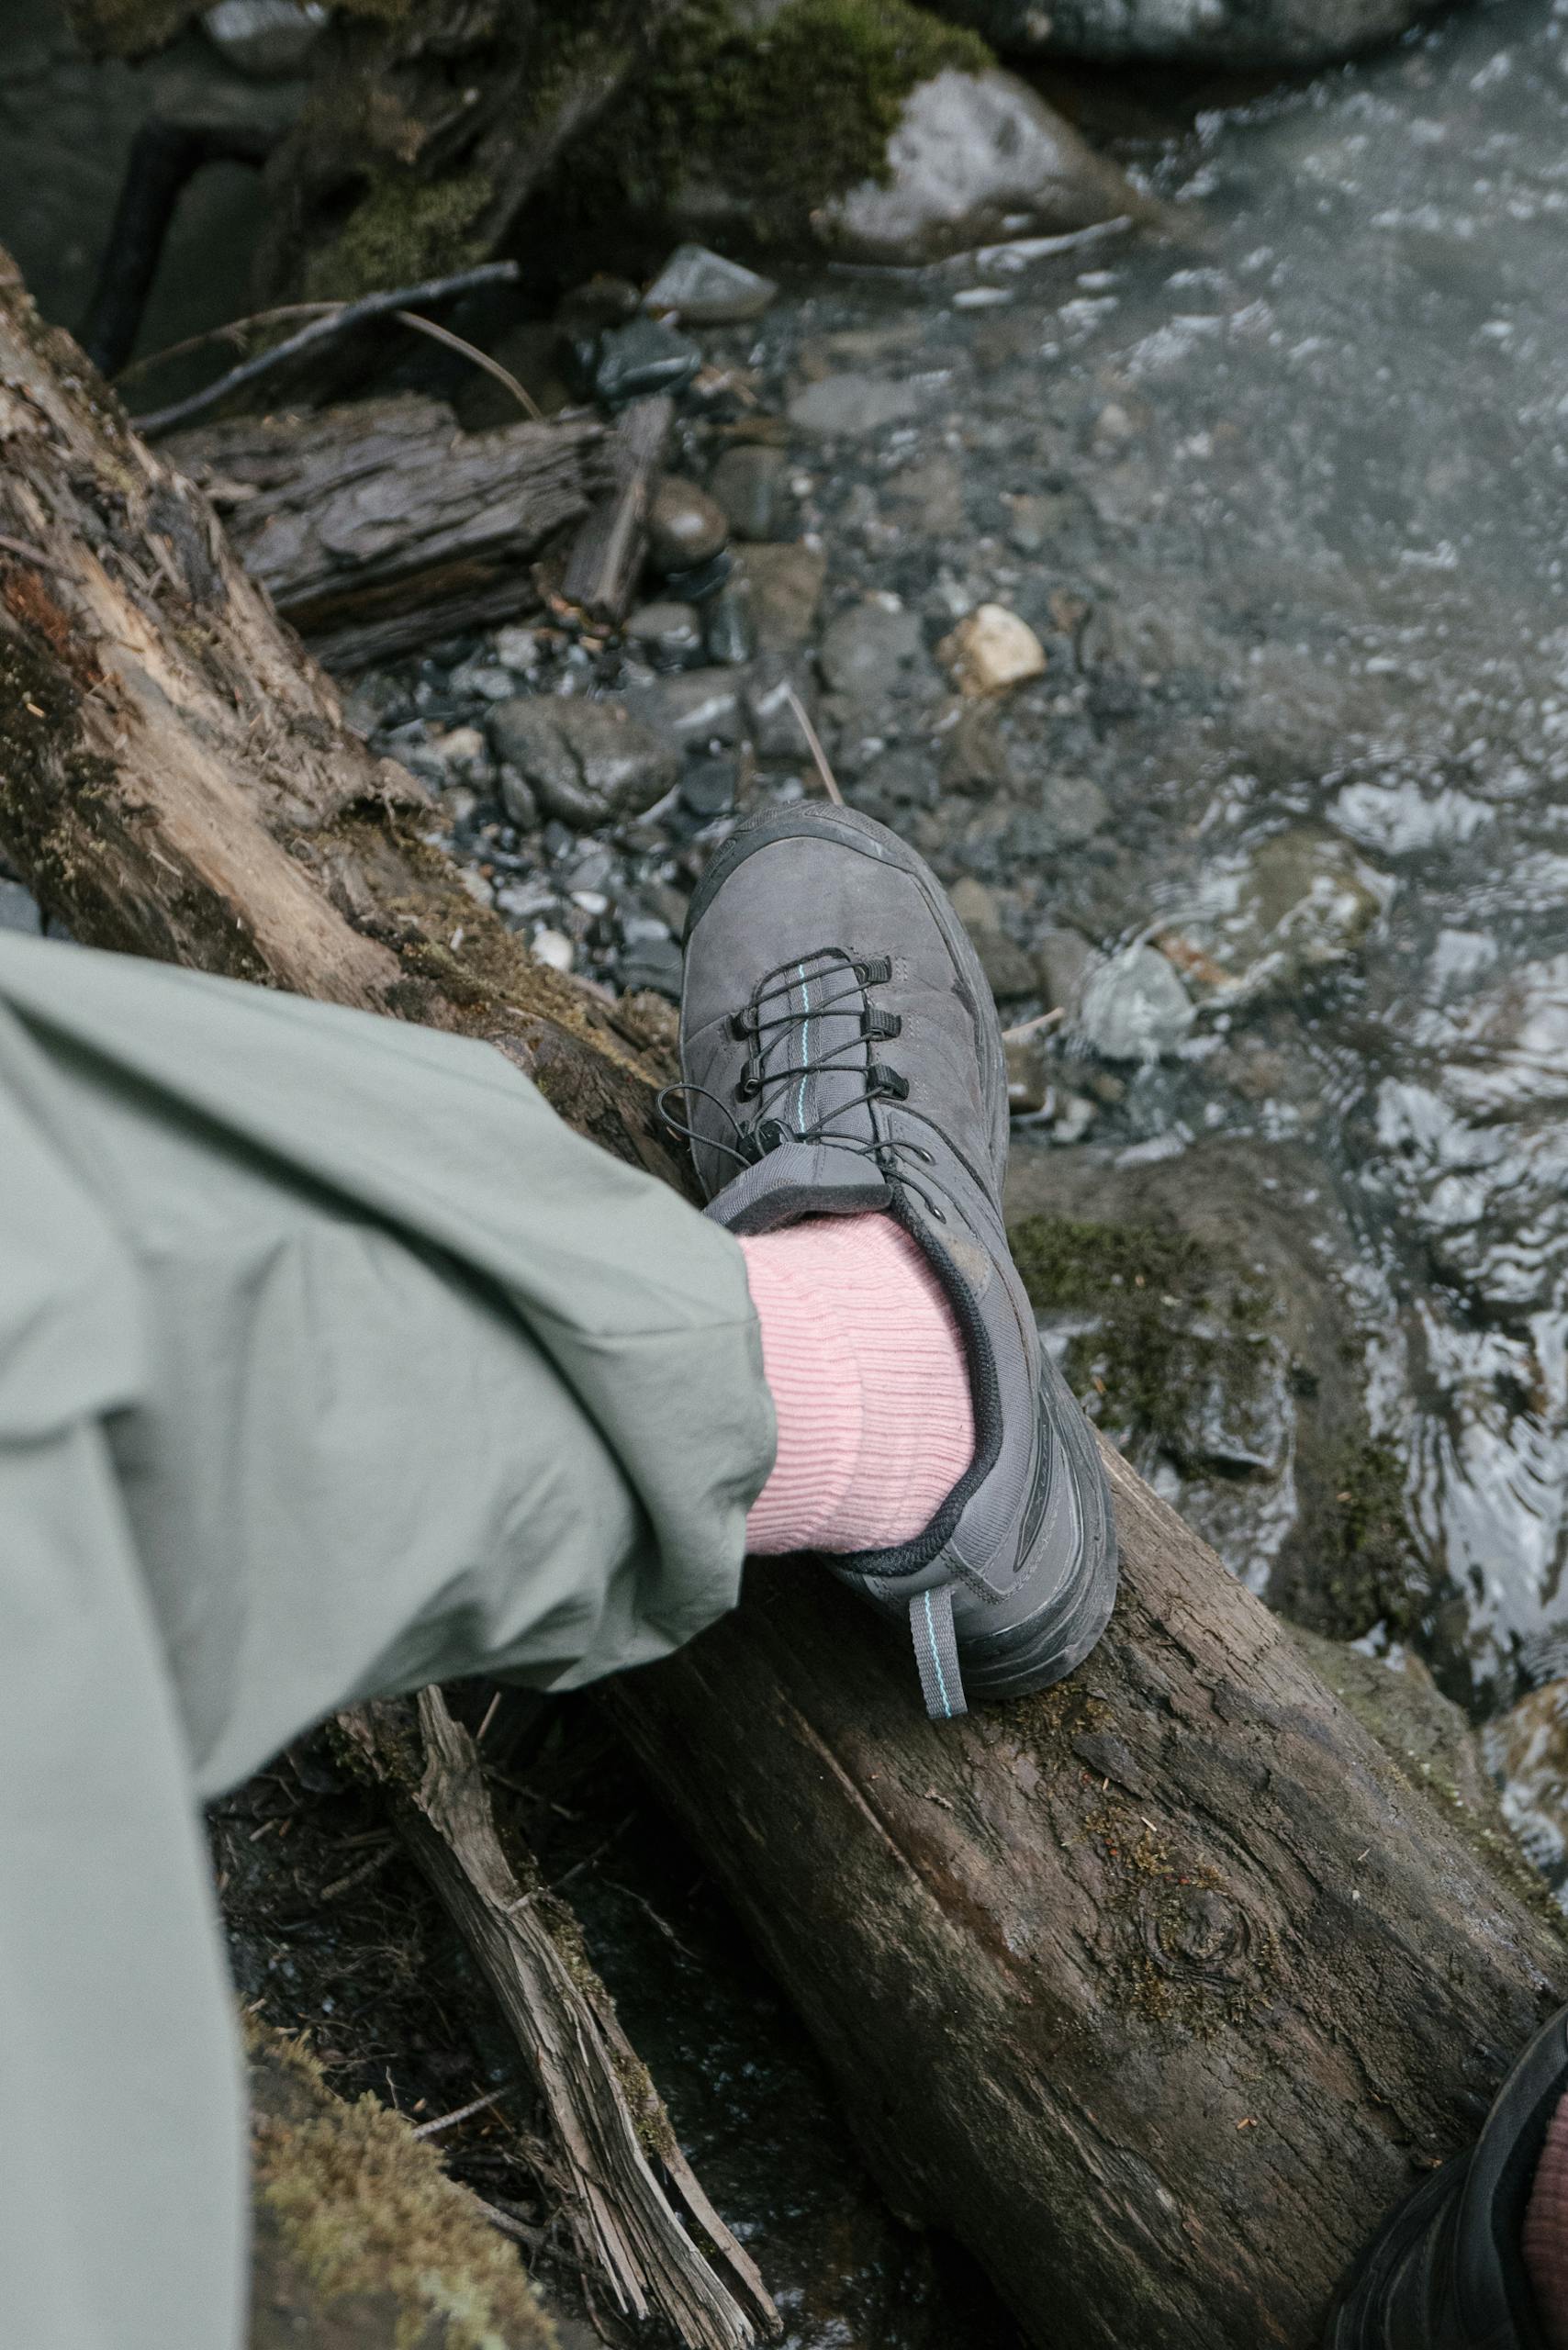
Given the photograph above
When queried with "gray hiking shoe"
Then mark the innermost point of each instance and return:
(840, 1055)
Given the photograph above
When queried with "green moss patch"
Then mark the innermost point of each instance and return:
(1169, 1321)
(784, 118)
(402, 230)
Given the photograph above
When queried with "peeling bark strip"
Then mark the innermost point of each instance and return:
(1155, 1988)
(607, 2120)
(379, 526)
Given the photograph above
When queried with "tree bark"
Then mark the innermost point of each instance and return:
(1157, 1987)
(379, 526)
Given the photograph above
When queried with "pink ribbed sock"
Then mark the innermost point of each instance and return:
(1546, 2232)
(869, 1383)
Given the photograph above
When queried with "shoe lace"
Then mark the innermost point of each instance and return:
(782, 1059)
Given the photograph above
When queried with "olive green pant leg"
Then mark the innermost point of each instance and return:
(121, 2110)
(331, 1362)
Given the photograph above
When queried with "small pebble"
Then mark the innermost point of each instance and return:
(673, 632)
(708, 788)
(730, 632)
(553, 947)
(696, 586)
(685, 527)
(749, 484)
(706, 290)
(992, 650)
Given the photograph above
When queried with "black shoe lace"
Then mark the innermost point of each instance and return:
(773, 1026)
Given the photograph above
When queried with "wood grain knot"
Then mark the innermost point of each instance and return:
(1195, 1933)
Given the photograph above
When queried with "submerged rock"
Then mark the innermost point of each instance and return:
(1217, 32)
(631, 362)
(976, 157)
(850, 406)
(1134, 1007)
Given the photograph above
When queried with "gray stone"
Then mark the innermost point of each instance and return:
(1134, 1007)
(771, 720)
(851, 406)
(586, 763)
(898, 779)
(730, 628)
(749, 484)
(685, 527)
(975, 157)
(866, 650)
(692, 712)
(706, 290)
(786, 590)
(1063, 960)
(1213, 32)
(1074, 807)
(265, 38)
(672, 631)
(518, 799)
(655, 962)
(631, 362)
(1009, 971)
(708, 788)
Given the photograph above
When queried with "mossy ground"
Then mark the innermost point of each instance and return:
(402, 230)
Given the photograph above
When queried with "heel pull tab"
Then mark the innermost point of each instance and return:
(936, 1654)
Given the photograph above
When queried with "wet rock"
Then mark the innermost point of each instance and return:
(749, 484)
(655, 964)
(1264, 922)
(1008, 970)
(518, 799)
(265, 38)
(518, 649)
(992, 650)
(1219, 32)
(1063, 960)
(1527, 1750)
(704, 581)
(866, 649)
(693, 711)
(1074, 809)
(484, 680)
(1134, 1007)
(705, 290)
(896, 781)
(771, 719)
(685, 527)
(708, 788)
(786, 590)
(730, 631)
(976, 157)
(672, 632)
(632, 362)
(852, 406)
(586, 763)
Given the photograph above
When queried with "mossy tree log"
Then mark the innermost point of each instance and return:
(1156, 1987)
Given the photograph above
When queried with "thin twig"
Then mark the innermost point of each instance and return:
(1036, 1027)
(814, 743)
(235, 330)
(462, 2113)
(9, 545)
(524, 400)
(360, 1875)
(322, 331)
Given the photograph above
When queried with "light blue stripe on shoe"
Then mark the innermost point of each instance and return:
(937, 1653)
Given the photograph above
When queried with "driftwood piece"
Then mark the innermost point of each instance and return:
(607, 2120)
(606, 553)
(379, 525)
(1158, 1988)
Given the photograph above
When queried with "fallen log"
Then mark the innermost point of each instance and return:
(1157, 1987)
(380, 525)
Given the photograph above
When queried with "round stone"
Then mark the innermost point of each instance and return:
(685, 527)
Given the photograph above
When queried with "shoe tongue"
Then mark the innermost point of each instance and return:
(799, 1180)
